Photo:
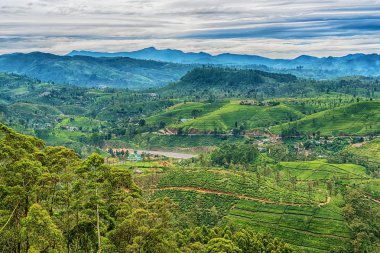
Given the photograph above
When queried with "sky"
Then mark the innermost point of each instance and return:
(271, 28)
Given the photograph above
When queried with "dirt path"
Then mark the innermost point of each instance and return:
(236, 195)
(369, 196)
(224, 172)
(328, 200)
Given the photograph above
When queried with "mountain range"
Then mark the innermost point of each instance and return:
(120, 72)
(304, 65)
(153, 68)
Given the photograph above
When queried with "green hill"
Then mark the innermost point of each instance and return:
(369, 150)
(236, 115)
(216, 82)
(361, 118)
(188, 110)
(302, 211)
(121, 72)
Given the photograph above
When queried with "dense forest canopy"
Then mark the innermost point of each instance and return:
(51, 201)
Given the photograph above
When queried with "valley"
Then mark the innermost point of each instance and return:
(231, 149)
(173, 126)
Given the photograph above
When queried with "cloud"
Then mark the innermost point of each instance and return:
(277, 28)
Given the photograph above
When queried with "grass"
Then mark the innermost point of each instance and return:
(361, 118)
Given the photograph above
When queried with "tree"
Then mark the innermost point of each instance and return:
(39, 231)
(142, 122)
(258, 178)
(218, 245)
(195, 113)
(293, 181)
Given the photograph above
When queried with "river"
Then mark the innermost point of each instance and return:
(168, 154)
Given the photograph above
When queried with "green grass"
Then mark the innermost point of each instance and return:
(361, 118)
(249, 116)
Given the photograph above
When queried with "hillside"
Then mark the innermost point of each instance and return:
(292, 201)
(368, 150)
(240, 116)
(361, 118)
(303, 66)
(183, 111)
(93, 72)
(98, 207)
(79, 118)
(214, 82)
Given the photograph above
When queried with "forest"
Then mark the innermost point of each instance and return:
(52, 201)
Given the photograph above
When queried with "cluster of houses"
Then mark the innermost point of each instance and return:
(128, 154)
(259, 103)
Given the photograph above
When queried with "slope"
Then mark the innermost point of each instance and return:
(93, 72)
(361, 118)
(234, 115)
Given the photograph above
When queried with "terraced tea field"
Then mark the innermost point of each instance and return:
(354, 119)
(307, 216)
(321, 170)
(249, 116)
(307, 228)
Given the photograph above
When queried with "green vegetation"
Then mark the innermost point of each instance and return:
(51, 201)
(212, 82)
(231, 154)
(321, 170)
(308, 229)
(355, 119)
(178, 112)
(121, 72)
(241, 117)
(367, 150)
(294, 158)
(301, 202)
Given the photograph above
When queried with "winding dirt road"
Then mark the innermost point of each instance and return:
(236, 195)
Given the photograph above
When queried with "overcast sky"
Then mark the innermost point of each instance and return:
(273, 28)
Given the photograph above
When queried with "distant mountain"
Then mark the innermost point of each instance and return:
(305, 66)
(178, 56)
(120, 72)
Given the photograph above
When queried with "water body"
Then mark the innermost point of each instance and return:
(168, 154)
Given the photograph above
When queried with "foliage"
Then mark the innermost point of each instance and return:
(217, 82)
(363, 217)
(355, 119)
(51, 201)
(120, 72)
(238, 153)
